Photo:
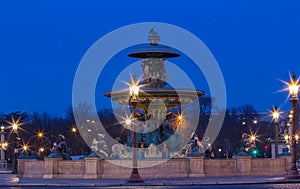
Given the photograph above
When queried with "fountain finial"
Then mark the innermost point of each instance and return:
(153, 37)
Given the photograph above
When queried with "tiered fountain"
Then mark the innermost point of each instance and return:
(157, 101)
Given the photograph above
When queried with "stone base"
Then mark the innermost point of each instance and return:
(194, 167)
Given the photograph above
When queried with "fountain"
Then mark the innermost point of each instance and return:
(158, 103)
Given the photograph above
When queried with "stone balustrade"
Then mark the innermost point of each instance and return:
(194, 167)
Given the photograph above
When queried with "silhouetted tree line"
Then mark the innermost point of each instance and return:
(229, 139)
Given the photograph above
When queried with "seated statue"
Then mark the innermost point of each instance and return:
(195, 148)
(152, 151)
(209, 154)
(119, 151)
(242, 152)
(285, 152)
(59, 149)
(99, 146)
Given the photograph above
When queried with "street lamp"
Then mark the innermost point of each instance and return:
(253, 138)
(74, 130)
(25, 148)
(128, 123)
(77, 144)
(255, 121)
(17, 141)
(244, 121)
(220, 150)
(42, 149)
(294, 89)
(179, 117)
(39, 142)
(40, 134)
(133, 100)
(41, 152)
(275, 114)
(296, 138)
(181, 124)
(15, 127)
(3, 163)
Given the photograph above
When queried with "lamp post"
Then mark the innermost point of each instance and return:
(25, 149)
(39, 142)
(133, 100)
(16, 145)
(41, 152)
(275, 114)
(294, 89)
(3, 163)
(77, 146)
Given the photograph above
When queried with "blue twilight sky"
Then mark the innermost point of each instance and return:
(42, 42)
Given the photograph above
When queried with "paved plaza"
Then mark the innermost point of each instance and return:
(12, 181)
